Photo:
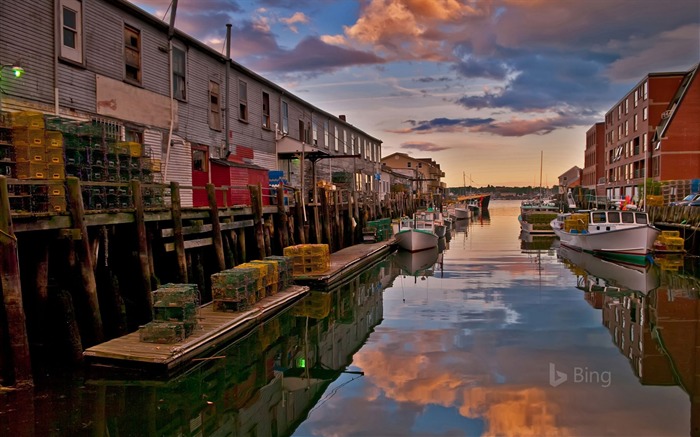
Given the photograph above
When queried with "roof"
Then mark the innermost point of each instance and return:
(155, 21)
(675, 103)
(227, 163)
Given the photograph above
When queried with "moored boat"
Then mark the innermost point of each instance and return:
(622, 235)
(416, 233)
(536, 215)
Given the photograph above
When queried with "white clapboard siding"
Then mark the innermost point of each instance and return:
(265, 160)
(180, 168)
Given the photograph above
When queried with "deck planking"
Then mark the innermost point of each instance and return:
(346, 262)
(214, 329)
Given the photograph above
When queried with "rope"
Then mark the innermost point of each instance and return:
(10, 236)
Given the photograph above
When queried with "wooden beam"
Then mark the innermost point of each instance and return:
(142, 238)
(216, 227)
(256, 201)
(86, 264)
(179, 245)
(11, 287)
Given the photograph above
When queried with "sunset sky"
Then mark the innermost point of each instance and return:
(480, 86)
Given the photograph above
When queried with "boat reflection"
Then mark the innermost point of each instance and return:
(264, 384)
(601, 275)
(416, 263)
(535, 242)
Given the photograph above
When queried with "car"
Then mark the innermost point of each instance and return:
(687, 200)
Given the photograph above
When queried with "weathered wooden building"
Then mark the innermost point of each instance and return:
(111, 62)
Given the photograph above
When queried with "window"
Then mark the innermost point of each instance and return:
(627, 105)
(71, 28)
(598, 217)
(345, 142)
(420, 165)
(199, 160)
(352, 144)
(614, 217)
(636, 120)
(627, 127)
(636, 97)
(242, 101)
(408, 164)
(266, 110)
(314, 133)
(132, 54)
(133, 136)
(644, 142)
(326, 128)
(335, 141)
(645, 113)
(646, 89)
(214, 106)
(179, 68)
(641, 218)
(285, 118)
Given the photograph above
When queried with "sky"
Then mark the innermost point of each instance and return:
(483, 87)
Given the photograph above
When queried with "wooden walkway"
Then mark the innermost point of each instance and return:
(346, 262)
(213, 331)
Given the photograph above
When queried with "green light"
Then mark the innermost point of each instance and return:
(17, 71)
(301, 362)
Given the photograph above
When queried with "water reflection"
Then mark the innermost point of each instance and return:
(264, 384)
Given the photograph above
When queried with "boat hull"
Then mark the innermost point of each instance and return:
(630, 244)
(415, 240)
(462, 213)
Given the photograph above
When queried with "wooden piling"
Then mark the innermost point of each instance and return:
(256, 206)
(12, 294)
(338, 222)
(282, 219)
(299, 218)
(326, 211)
(241, 245)
(87, 272)
(178, 236)
(216, 227)
(144, 264)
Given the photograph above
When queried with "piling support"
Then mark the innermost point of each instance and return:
(299, 218)
(282, 219)
(86, 265)
(326, 212)
(142, 237)
(178, 236)
(11, 287)
(256, 204)
(216, 227)
(338, 222)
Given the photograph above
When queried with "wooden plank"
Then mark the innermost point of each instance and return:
(191, 244)
(190, 230)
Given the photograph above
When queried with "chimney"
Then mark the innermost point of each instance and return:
(342, 117)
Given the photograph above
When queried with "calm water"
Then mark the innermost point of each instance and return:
(498, 336)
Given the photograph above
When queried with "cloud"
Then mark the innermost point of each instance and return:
(298, 17)
(485, 68)
(443, 125)
(423, 146)
(429, 79)
(314, 55)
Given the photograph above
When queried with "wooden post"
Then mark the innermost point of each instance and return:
(216, 227)
(178, 236)
(12, 293)
(268, 228)
(338, 222)
(256, 204)
(282, 219)
(326, 211)
(140, 220)
(299, 218)
(349, 231)
(241, 245)
(87, 272)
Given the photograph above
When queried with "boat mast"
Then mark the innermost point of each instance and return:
(541, 158)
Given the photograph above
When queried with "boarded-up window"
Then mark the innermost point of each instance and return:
(242, 100)
(266, 110)
(71, 30)
(214, 106)
(199, 160)
(179, 74)
(132, 54)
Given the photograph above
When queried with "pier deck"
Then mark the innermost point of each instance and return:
(346, 262)
(214, 329)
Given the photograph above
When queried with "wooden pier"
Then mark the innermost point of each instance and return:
(346, 262)
(214, 330)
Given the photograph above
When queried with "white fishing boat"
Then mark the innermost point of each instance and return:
(536, 215)
(417, 233)
(462, 212)
(622, 235)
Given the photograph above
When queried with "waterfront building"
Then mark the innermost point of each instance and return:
(425, 173)
(593, 174)
(654, 127)
(114, 65)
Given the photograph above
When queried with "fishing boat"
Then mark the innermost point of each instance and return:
(536, 215)
(416, 233)
(462, 212)
(625, 236)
